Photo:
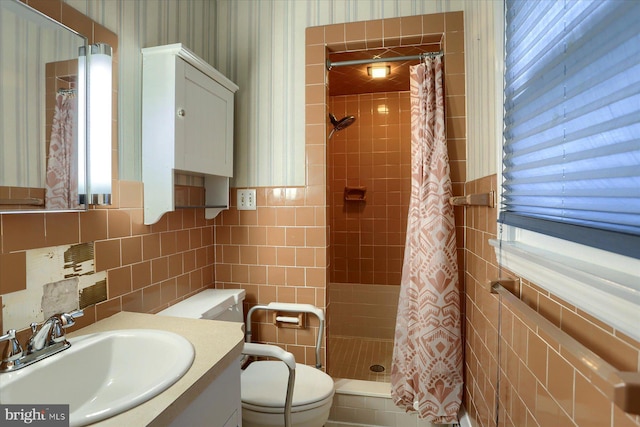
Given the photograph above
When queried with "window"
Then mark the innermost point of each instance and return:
(572, 121)
(571, 161)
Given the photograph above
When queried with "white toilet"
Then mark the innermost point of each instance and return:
(210, 304)
(264, 383)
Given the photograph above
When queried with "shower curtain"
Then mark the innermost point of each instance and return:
(62, 170)
(426, 373)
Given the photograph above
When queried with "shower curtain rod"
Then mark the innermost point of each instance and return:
(376, 60)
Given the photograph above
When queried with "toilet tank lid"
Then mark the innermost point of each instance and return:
(237, 294)
(207, 304)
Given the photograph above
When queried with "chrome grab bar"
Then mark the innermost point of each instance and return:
(623, 388)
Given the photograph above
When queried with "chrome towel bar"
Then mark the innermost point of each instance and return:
(482, 199)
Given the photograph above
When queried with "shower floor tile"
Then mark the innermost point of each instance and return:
(352, 357)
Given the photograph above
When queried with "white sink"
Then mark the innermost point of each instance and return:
(102, 374)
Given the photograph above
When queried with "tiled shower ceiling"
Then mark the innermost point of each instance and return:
(353, 79)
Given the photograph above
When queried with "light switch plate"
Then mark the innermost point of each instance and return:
(247, 200)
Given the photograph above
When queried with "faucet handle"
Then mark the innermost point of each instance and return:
(68, 319)
(56, 334)
(13, 349)
(63, 321)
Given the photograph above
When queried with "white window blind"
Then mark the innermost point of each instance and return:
(572, 121)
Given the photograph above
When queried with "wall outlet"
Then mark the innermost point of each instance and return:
(247, 200)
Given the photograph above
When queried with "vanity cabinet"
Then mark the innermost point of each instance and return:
(218, 405)
(187, 128)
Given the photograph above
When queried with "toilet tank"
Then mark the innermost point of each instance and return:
(211, 304)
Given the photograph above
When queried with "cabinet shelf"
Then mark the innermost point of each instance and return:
(187, 128)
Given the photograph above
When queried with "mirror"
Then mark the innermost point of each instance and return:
(41, 149)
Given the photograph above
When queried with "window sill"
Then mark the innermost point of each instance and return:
(609, 294)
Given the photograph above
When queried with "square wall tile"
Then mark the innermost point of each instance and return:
(13, 273)
(23, 232)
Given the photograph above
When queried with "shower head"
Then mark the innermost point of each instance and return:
(340, 124)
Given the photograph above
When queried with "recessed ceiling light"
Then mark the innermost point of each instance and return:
(379, 72)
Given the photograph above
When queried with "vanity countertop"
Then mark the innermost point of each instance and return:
(217, 345)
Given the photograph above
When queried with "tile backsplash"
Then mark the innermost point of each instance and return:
(56, 278)
(146, 267)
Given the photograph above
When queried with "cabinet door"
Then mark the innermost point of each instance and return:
(204, 130)
(218, 405)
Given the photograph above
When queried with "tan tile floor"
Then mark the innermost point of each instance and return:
(352, 357)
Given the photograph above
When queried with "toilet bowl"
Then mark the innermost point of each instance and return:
(264, 382)
(264, 385)
(270, 396)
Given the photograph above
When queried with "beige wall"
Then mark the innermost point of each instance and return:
(260, 46)
(263, 56)
(265, 59)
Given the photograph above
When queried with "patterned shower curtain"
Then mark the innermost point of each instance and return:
(62, 170)
(426, 373)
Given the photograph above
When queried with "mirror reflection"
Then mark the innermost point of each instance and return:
(40, 91)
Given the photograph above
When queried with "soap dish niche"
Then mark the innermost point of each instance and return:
(357, 194)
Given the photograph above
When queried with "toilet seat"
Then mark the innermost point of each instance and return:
(264, 386)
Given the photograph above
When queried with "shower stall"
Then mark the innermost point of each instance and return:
(369, 184)
(369, 188)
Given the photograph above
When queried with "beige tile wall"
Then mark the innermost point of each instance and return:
(539, 383)
(148, 267)
(278, 252)
(362, 310)
(367, 236)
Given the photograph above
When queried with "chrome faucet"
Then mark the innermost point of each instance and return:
(45, 341)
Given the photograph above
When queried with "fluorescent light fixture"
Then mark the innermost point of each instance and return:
(99, 124)
(379, 72)
(81, 142)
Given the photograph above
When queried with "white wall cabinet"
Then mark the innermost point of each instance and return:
(187, 127)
